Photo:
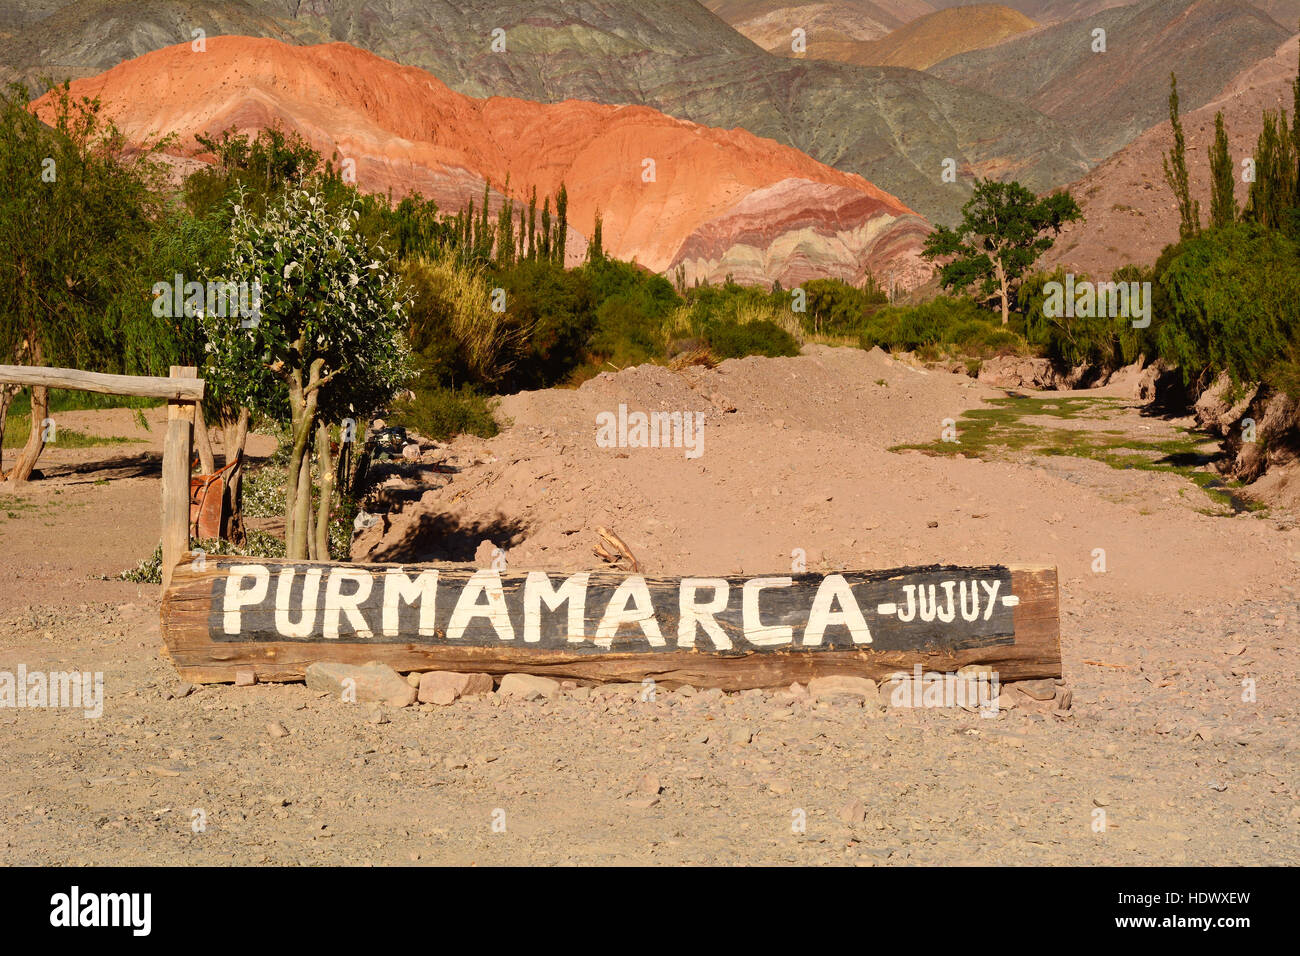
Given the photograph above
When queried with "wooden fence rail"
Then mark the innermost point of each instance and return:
(183, 390)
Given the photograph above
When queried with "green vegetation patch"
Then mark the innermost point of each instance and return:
(18, 427)
(1013, 425)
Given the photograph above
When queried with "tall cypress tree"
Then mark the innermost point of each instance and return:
(561, 224)
(545, 249)
(1175, 166)
(532, 224)
(1223, 199)
(596, 251)
(1273, 193)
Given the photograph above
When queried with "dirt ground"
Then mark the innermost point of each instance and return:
(1160, 649)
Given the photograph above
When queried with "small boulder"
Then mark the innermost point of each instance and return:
(528, 686)
(842, 685)
(443, 687)
(370, 682)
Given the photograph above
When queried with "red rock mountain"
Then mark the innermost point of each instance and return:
(717, 202)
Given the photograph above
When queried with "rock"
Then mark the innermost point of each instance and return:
(853, 813)
(411, 452)
(842, 685)
(413, 678)
(277, 729)
(528, 686)
(1064, 698)
(377, 715)
(741, 736)
(245, 677)
(443, 687)
(373, 681)
(1017, 371)
(1037, 689)
(649, 784)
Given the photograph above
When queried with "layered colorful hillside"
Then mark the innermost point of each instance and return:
(927, 40)
(895, 127)
(669, 192)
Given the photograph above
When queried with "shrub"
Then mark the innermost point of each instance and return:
(443, 413)
(761, 337)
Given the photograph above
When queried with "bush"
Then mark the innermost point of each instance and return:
(761, 337)
(942, 326)
(1233, 303)
(443, 413)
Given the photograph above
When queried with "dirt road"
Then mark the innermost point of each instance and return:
(1182, 655)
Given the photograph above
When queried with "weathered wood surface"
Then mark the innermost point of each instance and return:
(188, 388)
(277, 617)
(177, 447)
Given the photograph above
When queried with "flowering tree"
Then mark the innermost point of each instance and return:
(327, 343)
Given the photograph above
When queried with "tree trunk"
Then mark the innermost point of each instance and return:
(1001, 275)
(326, 492)
(234, 436)
(203, 442)
(303, 540)
(31, 452)
(7, 393)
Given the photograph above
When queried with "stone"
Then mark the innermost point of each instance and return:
(372, 681)
(443, 687)
(649, 784)
(245, 677)
(411, 452)
(853, 813)
(413, 678)
(528, 686)
(1037, 689)
(277, 729)
(842, 685)
(741, 736)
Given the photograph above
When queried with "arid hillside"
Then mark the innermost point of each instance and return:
(1130, 213)
(894, 127)
(718, 202)
(1108, 98)
(929, 39)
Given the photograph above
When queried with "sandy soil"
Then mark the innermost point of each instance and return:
(1156, 650)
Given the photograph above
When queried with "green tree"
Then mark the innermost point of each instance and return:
(1004, 229)
(1175, 167)
(329, 342)
(76, 215)
(1272, 195)
(561, 224)
(1223, 199)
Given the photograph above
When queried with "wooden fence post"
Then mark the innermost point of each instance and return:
(177, 453)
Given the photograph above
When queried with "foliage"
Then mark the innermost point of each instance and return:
(329, 342)
(945, 324)
(760, 337)
(1004, 229)
(1175, 168)
(1233, 302)
(443, 413)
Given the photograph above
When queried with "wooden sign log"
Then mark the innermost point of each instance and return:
(276, 617)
